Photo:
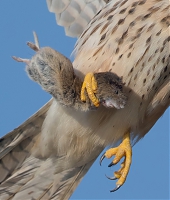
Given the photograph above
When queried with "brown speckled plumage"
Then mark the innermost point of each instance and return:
(51, 152)
(131, 39)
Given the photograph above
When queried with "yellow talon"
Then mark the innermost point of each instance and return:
(123, 150)
(83, 97)
(94, 84)
(90, 84)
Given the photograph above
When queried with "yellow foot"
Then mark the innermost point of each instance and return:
(123, 150)
(90, 84)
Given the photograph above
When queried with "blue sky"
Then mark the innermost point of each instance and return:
(20, 98)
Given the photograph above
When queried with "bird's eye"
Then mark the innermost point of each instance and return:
(116, 92)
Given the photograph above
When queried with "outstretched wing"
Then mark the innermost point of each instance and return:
(24, 174)
(17, 172)
(16, 162)
(74, 15)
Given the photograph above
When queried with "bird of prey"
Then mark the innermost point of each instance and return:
(128, 38)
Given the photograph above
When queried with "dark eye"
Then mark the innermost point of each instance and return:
(116, 92)
(111, 82)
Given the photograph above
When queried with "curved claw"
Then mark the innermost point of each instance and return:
(116, 188)
(111, 178)
(90, 85)
(111, 164)
(102, 158)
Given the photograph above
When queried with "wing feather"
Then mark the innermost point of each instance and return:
(24, 175)
(74, 15)
(16, 162)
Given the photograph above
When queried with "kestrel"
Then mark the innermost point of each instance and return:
(58, 144)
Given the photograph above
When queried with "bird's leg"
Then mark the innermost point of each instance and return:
(90, 84)
(123, 150)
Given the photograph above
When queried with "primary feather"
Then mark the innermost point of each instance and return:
(74, 15)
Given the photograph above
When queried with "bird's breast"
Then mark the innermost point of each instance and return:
(68, 131)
